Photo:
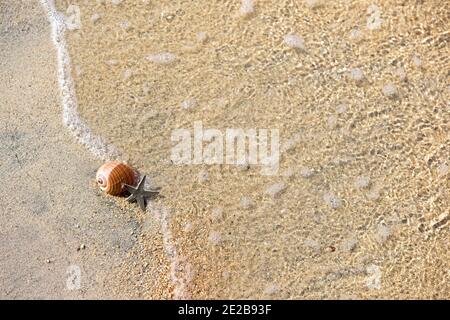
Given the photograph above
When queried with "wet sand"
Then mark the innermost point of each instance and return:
(57, 231)
(362, 109)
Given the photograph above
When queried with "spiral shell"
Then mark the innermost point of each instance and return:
(113, 175)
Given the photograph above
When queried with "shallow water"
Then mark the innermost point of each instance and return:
(362, 110)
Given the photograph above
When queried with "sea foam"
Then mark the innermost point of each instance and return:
(71, 117)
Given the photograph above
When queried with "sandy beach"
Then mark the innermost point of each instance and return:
(358, 91)
(57, 229)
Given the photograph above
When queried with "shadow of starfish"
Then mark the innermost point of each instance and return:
(139, 194)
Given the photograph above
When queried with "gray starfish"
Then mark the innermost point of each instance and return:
(139, 194)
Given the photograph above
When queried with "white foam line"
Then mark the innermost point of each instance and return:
(180, 270)
(71, 117)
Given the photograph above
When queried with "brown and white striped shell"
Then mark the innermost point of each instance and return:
(113, 175)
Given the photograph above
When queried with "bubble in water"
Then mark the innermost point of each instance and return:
(313, 244)
(306, 172)
(373, 280)
(349, 244)
(342, 108)
(383, 233)
(294, 41)
(202, 36)
(188, 103)
(356, 74)
(271, 289)
(291, 142)
(442, 169)
(275, 190)
(125, 25)
(331, 200)
(217, 213)
(314, 3)
(203, 176)
(188, 227)
(374, 20)
(127, 74)
(112, 62)
(95, 17)
(289, 173)
(362, 182)
(417, 61)
(374, 194)
(246, 203)
(162, 58)
(390, 90)
(400, 72)
(332, 121)
(146, 88)
(215, 238)
(78, 71)
(247, 7)
(356, 34)
(73, 18)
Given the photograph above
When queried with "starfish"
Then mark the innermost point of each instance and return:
(139, 194)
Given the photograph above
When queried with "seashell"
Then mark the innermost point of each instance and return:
(113, 175)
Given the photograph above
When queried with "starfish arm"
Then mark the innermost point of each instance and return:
(141, 184)
(129, 188)
(141, 202)
(131, 198)
(149, 194)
